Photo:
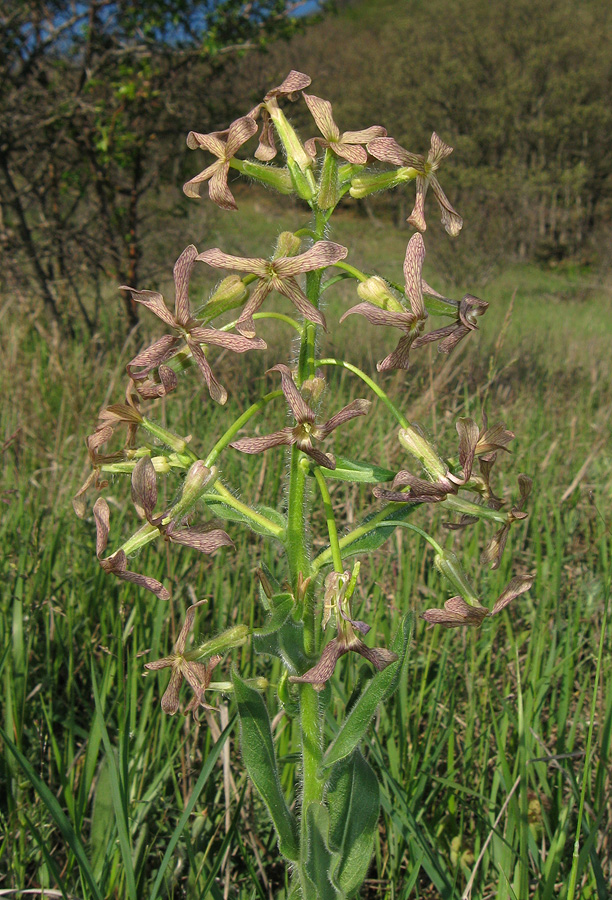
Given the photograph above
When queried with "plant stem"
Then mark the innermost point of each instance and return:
(331, 522)
(229, 500)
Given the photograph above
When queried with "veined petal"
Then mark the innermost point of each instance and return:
(266, 149)
(218, 190)
(327, 460)
(380, 657)
(456, 613)
(302, 413)
(417, 216)
(324, 669)
(413, 267)
(235, 342)
(321, 111)
(438, 151)
(259, 444)
(206, 541)
(468, 431)
(452, 221)
(170, 699)
(289, 288)
(364, 136)
(350, 152)
(154, 301)
(387, 149)
(162, 350)
(320, 255)
(513, 589)
(182, 274)
(220, 260)
(215, 389)
(245, 324)
(191, 188)
(378, 316)
(295, 81)
(144, 488)
(436, 335)
(210, 142)
(356, 408)
(399, 359)
(102, 519)
(149, 389)
(239, 133)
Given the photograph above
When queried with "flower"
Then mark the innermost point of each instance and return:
(346, 145)
(458, 612)
(236, 135)
(306, 430)
(449, 336)
(278, 275)
(411, 323)
(337, 599)
(493, 552)
(196, 674)
(187, 333)
(388, 150)
(290, 87)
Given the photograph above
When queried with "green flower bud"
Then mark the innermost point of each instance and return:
(376, 291)
(197, 479)
(371, 182)
(293, 146)
(287, 244)
(415, 442)
(329, 192)
(229, 293)
(227, 640)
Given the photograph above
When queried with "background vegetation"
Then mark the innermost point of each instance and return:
(483, 751)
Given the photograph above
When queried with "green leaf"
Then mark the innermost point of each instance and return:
(353, 799)
(222, 511)
(266, 639)
(102, 818)
(378, 689)
(377, 537)
(320, 859)
(356, 470)
(260, 762)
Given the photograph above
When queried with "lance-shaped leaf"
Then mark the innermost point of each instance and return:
(320, 859)
(352, 797)
(355, 470)
(266, 639)
(260, 762)
(379, 689)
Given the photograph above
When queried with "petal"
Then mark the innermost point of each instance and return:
(182, 274)
(192, 188)
(310, 146)
(218, 190)
(215, 389)
(170, 700)
(364, 136)
(417, 216)
(245, 324)
(295, 81)
(259, 444)
(324, 669)
(449, 343)
(387, 149)
(399, 359)
(322, 459)
(356, 408)
(117, 565)
(452, 221)
(298, 406)
(378, 316)
(181, 640)
(438, 151)
(350, 152)
(468, 431)
(380, 657)
(470, 308)
(150, 389)
(144, 488)
(200, 539)
(456, 613)
(235, 342)
(211, 142)
(494, 550)
(154, 301)
(266, 149)
(159, 352)
(289, 288)
(320, 255)
(239, 133)
(321, 111)
(517, 586)
(436, 335)
(413, 267)
(219, 260)
(102, 519)
(164, 663)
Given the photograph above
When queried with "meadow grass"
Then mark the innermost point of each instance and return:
(483, 751)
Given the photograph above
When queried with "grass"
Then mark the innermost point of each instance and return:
(482, 753)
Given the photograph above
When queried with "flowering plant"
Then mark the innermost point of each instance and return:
(326, 836)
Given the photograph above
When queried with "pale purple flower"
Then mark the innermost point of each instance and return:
(187, 333)
(388, 150)
(224, 145)
(494, 550)
(458, 612)
(470, 308)
(290, 88)
(277, 275)
(348, 145)
(306, 429)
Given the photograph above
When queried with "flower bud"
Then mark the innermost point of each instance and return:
(448, 564)
(287, 244)
(293, 146)
(227, 640)
(272, 176)
(312, 389)
(413, 440)
(376, 291)
(329, 192)
(197, 479)
(229, 293)
(371, 182)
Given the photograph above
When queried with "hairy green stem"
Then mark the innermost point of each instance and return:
(331, 522)
(233, 430)
(228, 498)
